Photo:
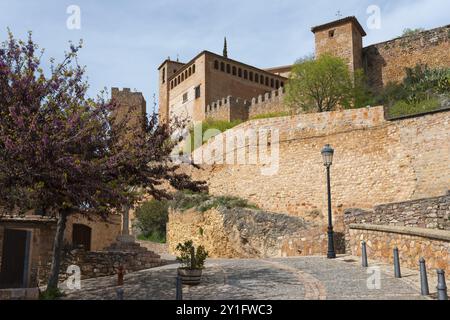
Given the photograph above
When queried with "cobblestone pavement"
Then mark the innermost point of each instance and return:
(262, 279)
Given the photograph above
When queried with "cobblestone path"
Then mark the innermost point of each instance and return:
(262, 279)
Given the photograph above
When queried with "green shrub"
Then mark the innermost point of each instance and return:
(403, 108)
(152, 217)
(209, 129)
(203, 202)
(191, 258)
(51, 294)
(410, 32)
(271, 115)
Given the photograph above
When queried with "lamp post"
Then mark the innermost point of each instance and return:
(327, 155)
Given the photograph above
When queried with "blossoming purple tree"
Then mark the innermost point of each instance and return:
(63, 152)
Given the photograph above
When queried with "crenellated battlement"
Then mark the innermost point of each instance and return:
(228, 109)
(270, 102)
(232, 108)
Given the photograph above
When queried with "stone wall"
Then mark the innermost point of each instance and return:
(413, 244)
(43, 229)
(228, 109)
(432, 213)
(271, 102)
(42, 237)
(386, 61)
(245, 233)
(100, 264)
(104, 231)
(376, 161)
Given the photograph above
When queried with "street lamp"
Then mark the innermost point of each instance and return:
(327, 154)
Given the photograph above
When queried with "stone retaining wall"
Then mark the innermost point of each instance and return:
(99, 264)
(375, 162)
(413, 243)
(431, 213)
(245, 233)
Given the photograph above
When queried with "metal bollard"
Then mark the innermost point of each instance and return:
(424, 290)
(441, 286)
(120, 274)
(179, 294)
(397, 264)
(119, 292)
(365, 264)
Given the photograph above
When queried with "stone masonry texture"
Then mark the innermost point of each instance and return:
(375, 162)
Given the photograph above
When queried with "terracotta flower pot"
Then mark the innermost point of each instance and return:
(190, 277)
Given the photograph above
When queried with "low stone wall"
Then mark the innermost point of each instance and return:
(19, 294)
(431, 213)
(245, 233)
(99, 264)
(413, 243)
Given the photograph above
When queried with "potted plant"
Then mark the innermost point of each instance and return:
(192, 262)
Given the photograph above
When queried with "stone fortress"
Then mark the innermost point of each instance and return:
(395, 172)
(390, 177)
(217, 87)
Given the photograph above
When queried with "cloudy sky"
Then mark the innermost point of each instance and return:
(125, 41)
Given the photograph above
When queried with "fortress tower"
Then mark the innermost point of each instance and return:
(166, 70)
(132, 106)
(341, 38)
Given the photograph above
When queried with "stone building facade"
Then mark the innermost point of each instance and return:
(186, 89)
(26, 244)
(193, 90)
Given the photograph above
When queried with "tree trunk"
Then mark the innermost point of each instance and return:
(57, 248)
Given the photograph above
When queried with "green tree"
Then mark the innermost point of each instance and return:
(152, 217)
(319, 85)
(360, 95)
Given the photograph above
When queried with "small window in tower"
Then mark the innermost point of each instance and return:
(185, 97)
(331, 33)
(164, 75)
(197, 92)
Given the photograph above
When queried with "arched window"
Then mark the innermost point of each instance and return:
(193, 68)
(216, 64)
(256, 77)
(240, 73)
(182, 77)
(250, 76)
(261, 79)
(189, 72)
(171, 84)
(282, 84)
(186, 74)
(179, 79)
(222, 66)
(272, 83)
(245, 74)
(228, 68)
(267, 81)
(175, 82)
(234, 71)
(277, 84)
